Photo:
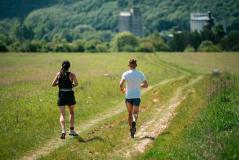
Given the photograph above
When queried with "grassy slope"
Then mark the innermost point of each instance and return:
(204, 63)
(29, 115)
(203, 129)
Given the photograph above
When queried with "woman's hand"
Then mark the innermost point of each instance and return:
(56, 80)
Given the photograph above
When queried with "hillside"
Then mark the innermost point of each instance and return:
(13, 8)
(50, 18)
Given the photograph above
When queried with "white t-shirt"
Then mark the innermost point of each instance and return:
(133, 80)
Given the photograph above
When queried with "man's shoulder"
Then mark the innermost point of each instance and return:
(126, 72)
(140, 72)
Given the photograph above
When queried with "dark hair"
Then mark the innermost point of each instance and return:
(133, 63)
(64, 68)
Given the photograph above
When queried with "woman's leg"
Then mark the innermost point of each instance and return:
(72, 116)
(62, 118)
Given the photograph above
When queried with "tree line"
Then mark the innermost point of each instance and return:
(214, 39)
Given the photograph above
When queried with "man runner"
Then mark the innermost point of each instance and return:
(134, 81)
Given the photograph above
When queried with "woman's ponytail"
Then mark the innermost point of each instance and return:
(64, 68)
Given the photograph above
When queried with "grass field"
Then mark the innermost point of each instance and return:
(203, 128)
(29, 115)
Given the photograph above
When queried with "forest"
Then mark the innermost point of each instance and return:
(72, 22)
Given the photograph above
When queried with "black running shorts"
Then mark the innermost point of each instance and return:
(133, 102)
(66, 98)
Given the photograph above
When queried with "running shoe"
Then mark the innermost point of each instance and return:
(63, 135)
(133, 129)
(73, 133)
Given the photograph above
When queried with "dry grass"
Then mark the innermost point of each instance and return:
(204, 62)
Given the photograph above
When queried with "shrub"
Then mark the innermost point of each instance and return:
(208, 46)
(189, 48)
(78, 46)
(157, 42)
(231, 41)
(90, 46)
(3, 47)
(125, 41)
(146, 46)
(36, 46)
(102, 47)
(62, 47)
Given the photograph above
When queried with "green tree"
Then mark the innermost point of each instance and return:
(178, 42)
(231, 41)
(62, 47)
(194, 40)
(77, 46)
(146, 46)
(157, 42)
(90, 46)
(219, 33)
(3, 47)
(36, 46)
(24, 32)
(103, 47)
(189, 48)
(125, 41)
(208, 46)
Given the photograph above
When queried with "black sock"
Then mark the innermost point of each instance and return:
(71, 128)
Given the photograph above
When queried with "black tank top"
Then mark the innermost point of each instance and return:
(65, 82)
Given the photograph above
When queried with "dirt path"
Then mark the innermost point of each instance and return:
(55, 143)
(157, 123)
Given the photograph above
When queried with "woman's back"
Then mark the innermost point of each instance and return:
(65, 82)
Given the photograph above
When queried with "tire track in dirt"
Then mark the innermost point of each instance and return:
(158, 122)
(55, 142)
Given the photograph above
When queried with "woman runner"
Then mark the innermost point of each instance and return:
(66, 80)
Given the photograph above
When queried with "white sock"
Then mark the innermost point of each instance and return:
(134, 117)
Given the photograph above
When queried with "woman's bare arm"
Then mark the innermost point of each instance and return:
(56, 80)
(75, 81)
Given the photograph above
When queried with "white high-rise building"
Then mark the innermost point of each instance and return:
(131, 21)
(124, 23)
(199, 20)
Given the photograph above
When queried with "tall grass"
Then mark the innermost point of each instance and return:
(208, 129)
(29, 115)
(204, 63)
(104, 140)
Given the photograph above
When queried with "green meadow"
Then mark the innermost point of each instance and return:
(30, 117)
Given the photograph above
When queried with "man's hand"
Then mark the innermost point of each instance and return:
(122, 89)
(144, 84)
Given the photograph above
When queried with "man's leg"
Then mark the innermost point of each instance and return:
(135, 113)
(135, 116)
(130, 112)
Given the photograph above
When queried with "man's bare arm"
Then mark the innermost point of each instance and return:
(122, 85)
(144, 84)
(55, 81)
